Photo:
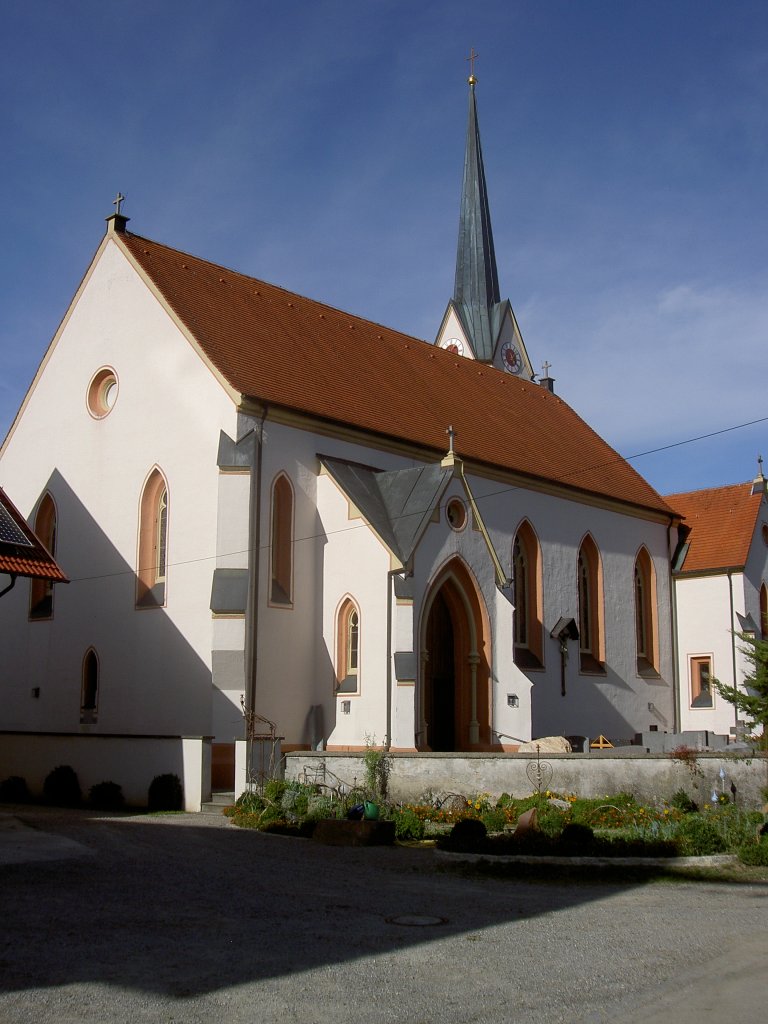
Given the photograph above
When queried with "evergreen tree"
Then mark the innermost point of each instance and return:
(753, 703)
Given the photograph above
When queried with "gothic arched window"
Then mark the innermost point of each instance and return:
(348, 648)
(282, 542)
(591, 641)
(526, 560)
(89, 688)
(645, 614)
(41, 591)
(153, 542)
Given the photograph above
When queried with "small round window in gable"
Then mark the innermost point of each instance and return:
(456, 514)
(102, 392)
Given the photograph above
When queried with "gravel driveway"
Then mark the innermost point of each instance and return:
(184, 918)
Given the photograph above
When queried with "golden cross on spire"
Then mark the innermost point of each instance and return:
(472, 58)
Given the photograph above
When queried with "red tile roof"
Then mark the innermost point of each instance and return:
(280, 348)
(31, 559)
(722, 522)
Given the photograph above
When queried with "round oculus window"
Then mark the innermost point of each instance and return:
(456, 514)
(102, 392)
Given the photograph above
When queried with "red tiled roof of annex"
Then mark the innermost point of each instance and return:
(285, 350)
(722, 522)
(31, 559)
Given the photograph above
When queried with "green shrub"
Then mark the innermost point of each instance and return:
(552, 820)
(494, 820)
(467, 835)
(735, 825)
(408, 825)
(577, 840)
(13, 790)
(698, 836)
(755, 853)
(106, 796)
(249, 803)
(62, 788)
(319, 807)
(274, 790)
(682, 802)
(246, 819)
(272, 813)
(165, 793)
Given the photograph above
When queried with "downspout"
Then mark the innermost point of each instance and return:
(254, 564)
(675, 644)
(10, 586)
(390, 587)
(733, 648)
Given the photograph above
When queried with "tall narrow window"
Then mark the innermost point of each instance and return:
(41, 591)
(153, 542)
(89, 690)
(591, 652)
(764, 611)
(645, 614)
(348, 648)
(526, 598)
(701, 683)
(282, 542)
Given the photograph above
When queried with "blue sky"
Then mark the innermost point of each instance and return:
(319, 145)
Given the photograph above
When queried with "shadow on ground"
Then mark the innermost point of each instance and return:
(180, 908)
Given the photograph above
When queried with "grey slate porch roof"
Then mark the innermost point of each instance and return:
(397, 504)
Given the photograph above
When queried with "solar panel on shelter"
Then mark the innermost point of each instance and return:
(10, 532)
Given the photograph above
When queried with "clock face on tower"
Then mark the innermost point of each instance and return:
(453, 345)
(511, 359)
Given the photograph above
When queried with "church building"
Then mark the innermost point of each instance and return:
(269, 504)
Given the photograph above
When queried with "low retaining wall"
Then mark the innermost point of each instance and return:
(130, 761)
(652, 778)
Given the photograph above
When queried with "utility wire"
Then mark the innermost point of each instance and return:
(491, 494)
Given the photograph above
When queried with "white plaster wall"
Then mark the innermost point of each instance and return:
(228, 631)
(704, 627)
(615, 704)
(756, 568)
(154, 664)
(355, 564)
(131, 762)
(296, 657)
(233, 506)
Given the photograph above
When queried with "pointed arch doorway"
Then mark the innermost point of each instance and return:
(455, 674)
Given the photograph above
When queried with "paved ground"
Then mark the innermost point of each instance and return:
(184, 918)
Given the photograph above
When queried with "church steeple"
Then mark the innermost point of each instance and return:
(476, 287)
(478, 323)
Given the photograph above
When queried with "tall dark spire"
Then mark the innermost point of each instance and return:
(476, 288)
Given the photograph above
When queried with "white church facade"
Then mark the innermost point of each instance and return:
(359, 536)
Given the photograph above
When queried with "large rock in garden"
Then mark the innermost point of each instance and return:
(546, 745)
(527, 822)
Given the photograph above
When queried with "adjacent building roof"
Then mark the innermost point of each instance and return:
(722, 522)
(279, 348)
(21, 551)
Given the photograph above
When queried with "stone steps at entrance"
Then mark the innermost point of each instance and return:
(219, 800)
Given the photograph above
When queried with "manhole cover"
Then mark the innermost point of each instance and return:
(417, 920)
